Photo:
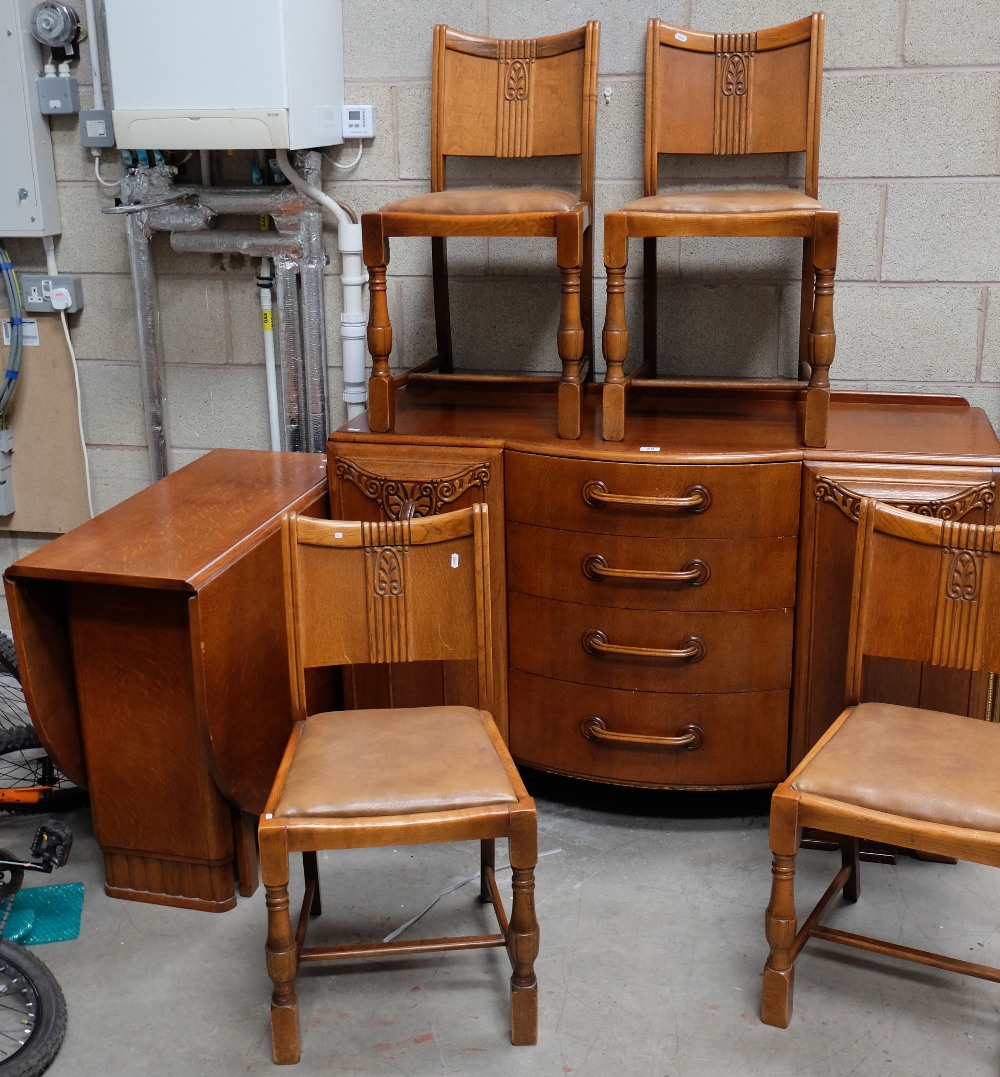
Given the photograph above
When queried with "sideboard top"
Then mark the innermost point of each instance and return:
(703, 425)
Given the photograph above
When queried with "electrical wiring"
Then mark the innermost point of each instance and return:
(100, 179)
(351, 164)
(50, 261)
(14, 352)
(79, 410)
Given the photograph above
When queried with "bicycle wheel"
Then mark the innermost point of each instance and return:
(24, 762)
(13, 711)
(32, 1013)
(24, 766)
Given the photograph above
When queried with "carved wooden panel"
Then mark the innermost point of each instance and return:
(401, 499)
(959, 625)
(953, 507)
(514, 105)
(734, 55)
(385, 545)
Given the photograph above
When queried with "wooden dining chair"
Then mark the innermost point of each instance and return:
(501, 99)
(926, 590)
(727, 95)
(407, 591)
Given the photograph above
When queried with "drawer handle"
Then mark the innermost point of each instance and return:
(696, 499)
(690, 737)
(691, 649)
(694, 573)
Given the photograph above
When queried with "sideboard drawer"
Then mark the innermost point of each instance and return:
(741, 651)
(610, 570)
(736, 740)
(603, 497)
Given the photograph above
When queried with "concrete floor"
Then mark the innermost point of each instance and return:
(651, 908)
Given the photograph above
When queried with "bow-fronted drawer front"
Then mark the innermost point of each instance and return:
(657, 500)
(648, 738)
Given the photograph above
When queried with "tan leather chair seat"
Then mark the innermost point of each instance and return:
(474, 201)
(917, 763)
(393, 762)
(741, 201)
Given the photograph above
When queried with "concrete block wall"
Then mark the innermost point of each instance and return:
(910, 150)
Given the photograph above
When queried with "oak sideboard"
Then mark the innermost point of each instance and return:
(672, 609)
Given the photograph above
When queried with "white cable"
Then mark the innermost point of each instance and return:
(52, 270)
(393, 935)
(79, 411)
(97, 174)
(336, 164)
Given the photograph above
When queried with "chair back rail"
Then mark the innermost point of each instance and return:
(734, 93)
(531, 97)
(386, 592)
(926, 590)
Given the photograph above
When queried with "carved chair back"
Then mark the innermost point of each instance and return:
(924, 590)
(535, 97)
(388, 592)
(718, 94)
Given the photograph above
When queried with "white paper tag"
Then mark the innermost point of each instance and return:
(649, 448)
(338, 534)
(30, 335)
(681, 37)
(454, 560)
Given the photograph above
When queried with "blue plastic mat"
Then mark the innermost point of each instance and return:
(45, 914)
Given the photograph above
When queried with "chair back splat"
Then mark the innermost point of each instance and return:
(500, 99)
(727, 94)
(734, 94)
(394, 591)
(514, 98)
(404, 591)
(925, 590)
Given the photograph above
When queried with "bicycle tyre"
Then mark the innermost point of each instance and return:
(8, 656)
(13, 709)
(22, 759)
(31, 997)
(23, 762)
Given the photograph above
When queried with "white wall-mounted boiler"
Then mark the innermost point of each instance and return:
(217, 75)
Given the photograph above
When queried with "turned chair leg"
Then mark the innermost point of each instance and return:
(381, 389)
(614, 339)
(524, 939)
(615, 343)
(569, 254)
(282, 964)
(587, 302)
(822, 338)
(780, 926)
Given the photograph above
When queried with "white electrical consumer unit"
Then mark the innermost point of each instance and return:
(207, 75)
(28, 202)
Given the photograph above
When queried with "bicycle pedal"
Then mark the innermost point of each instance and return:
(52, 843)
